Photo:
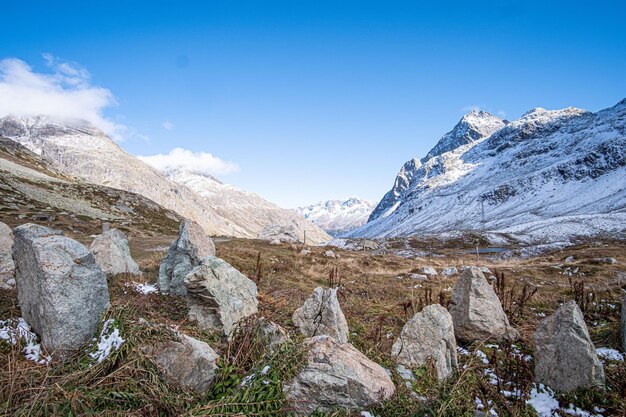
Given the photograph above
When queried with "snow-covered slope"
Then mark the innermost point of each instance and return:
(244, 208)
(531, 179)
(85, 152)
(338, 216)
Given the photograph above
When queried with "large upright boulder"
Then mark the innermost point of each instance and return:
(336, 376)
(113, 254)
(477, 312)
(565, 357)
(429, 335)
(184, 255)
(62, 291)
(321, 315)
(219, 296)
(186, 361)
(7, 267)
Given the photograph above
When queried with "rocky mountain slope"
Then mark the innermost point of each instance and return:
(31, 189)
(251, 212)
(549, 176)
(78, 149)
(338, 216)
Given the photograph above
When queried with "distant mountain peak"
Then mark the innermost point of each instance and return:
(473, 126)
(338, 216)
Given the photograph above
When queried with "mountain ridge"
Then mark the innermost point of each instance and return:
(545, 165)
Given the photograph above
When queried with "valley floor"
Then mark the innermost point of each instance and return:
(378, 294)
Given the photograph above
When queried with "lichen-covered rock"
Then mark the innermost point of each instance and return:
(565, 357)
(477, 312)
(186, 361)
(272, 334)
(321, 315)
(336, 376)
(7, 267)
(185, 253)
(219, 296)
(429, 335)
(62, 291)
(113, 254)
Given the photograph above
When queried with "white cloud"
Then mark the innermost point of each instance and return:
(167, 125)
(197, 162)
(64, 93)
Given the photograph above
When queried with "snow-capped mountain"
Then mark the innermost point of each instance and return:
(244, 208)
(548, 176)
(338, 216)
(85, 152)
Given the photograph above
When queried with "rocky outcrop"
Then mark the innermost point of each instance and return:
(7, 267)
(186, 361)
(184, 254)
(477, 312)
(565, 357)
(113, 254)
(280, 232)
(429, 335)
(219, 296)
(62, 291)
(321, 315)
(336, 376)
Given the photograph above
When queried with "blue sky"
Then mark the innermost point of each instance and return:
(321, 99)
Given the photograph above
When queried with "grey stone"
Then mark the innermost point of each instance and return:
(7, 267)
(305, 252)
(449, 271)
(275, 242)
(565, 357)
(113, 254)
(477, 312)
(429, 335)
(605, 261)
(184, 254)
(219, 296)
(427, 270)
(330, 254)
(321, 315)
(336, 376)
(62, 291)
(274, 336)
(418, 277)
(186, 361)
(280, 232)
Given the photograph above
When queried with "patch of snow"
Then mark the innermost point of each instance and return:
(543, 401)
(110, 340)
(610, 354)
(14, 331)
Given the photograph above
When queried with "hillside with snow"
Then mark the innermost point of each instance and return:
(79, 149)
(246, 209)
(338, 216)
(551, 175)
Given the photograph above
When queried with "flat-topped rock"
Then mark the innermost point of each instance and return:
(62, 291)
